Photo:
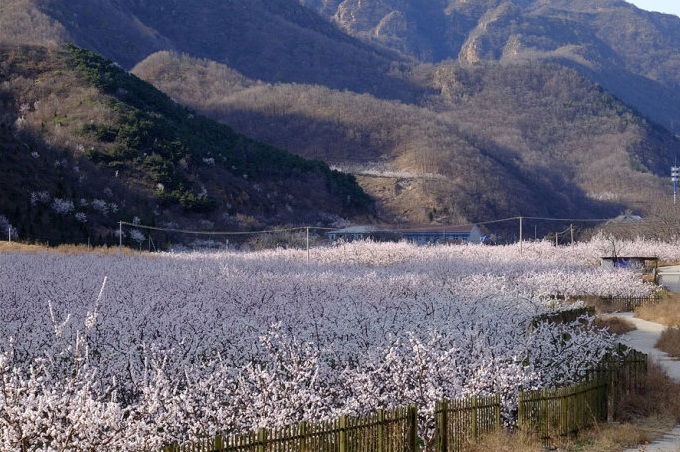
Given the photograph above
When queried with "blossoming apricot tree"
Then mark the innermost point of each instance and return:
(132, 352)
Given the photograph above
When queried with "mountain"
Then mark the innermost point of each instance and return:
(632, 53)
(365, 46)
(448, 111)
(272, 40)
(488, 141)
(85, 145)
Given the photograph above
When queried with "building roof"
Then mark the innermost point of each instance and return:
(622, 258)
(626, 219)
(439, 228)
(357, 230)
(408, 229)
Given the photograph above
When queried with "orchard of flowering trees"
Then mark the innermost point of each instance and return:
(132, 352)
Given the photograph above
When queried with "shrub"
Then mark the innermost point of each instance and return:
(669, 341)
(666, 312)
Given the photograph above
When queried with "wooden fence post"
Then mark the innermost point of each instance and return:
(475, 428)
(412, 428)
(218, 443)
(544, 420)
(612, 390)
(442, 426)
(261, 439)
(303, 436)
(381, 430)
(497, 408)
(342, 441)
(520, 410)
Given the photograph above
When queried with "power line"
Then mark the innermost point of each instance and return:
(186, 231)
(575, 220)
(304, 228)
(497, 221)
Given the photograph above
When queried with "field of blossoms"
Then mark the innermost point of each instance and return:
(132, 352)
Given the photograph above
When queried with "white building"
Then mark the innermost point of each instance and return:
(420, 235)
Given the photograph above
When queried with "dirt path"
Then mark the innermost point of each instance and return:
(643, 339)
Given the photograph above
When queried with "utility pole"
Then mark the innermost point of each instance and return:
(307, 245)
(520, 236)
(674, 177)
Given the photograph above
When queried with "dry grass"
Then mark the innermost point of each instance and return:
(615, 437)
(8, 247)
(669, 341)
(641, 418)
(601, 438)
(602, 306)
(659, 400)
(501, 441)
(666, 311)
(615, 325)
(83, 249)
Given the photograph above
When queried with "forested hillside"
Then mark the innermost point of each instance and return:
(85, 145)
(447, 112)
(486, 141)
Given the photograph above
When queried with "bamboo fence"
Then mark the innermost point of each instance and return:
(629, 303)
(392, 430)
(547, 413)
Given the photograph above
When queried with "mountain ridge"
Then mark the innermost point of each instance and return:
(458, 110)
(370, 137)
(591, 36)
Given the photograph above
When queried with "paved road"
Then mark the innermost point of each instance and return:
(643, 339)
(670, 277)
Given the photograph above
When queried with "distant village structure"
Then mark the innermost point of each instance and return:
(635, 262)
(626, 219)
(428, 235)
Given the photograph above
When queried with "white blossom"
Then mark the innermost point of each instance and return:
(185, 345)
(59, 163)
(62, 206)
(6, 229)
(40, 197)
(137, 235)
(101, 206)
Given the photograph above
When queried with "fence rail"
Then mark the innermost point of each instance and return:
(564, 316)
(462, 422)
(550, 413)
(629, 303)
(562, 411)
(392, 430)
(547, 413)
